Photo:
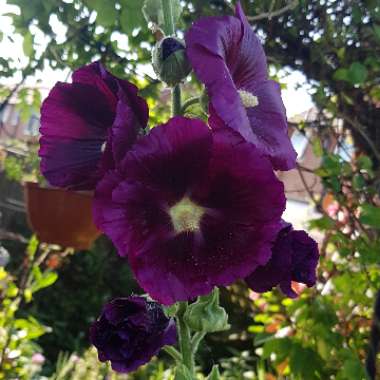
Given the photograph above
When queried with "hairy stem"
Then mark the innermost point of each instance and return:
(185, 339)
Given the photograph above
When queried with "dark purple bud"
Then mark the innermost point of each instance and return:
(130, 331)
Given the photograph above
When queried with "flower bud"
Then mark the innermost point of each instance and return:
(169, 60)
(205, 315)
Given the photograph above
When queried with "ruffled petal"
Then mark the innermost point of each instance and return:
(294, 258)
(130, 332)
(268, 121)
(171, 158)
(210, 43)
(228, 58)
(234, 185)
(76, 122)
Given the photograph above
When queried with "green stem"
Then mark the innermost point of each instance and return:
(185, 339)
(176, 99)
(167, 8)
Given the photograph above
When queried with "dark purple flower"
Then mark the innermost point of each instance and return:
(80, 122)
(130, 331)
(295, 258)
(191, 209)
(228, 58)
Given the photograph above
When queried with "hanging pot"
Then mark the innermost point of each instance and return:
(60, 216)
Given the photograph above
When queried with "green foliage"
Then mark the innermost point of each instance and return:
(70, 316)
(370, 215)
(18, 334)
(24, 164)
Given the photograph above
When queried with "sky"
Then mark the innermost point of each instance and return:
(296, 96)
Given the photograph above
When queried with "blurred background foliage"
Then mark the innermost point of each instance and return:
(325, 333)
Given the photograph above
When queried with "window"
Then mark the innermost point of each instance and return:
(299, 141)
(31, 129)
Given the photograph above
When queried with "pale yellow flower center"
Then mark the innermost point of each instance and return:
(248, 99)
(186, 215)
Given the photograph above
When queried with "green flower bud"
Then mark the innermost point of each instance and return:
(182, 373)
(171, 310)
(214, 374)
(205, 315)
(169, 60)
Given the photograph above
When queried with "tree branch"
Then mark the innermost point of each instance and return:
(269, 15)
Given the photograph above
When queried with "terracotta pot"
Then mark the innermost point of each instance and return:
(61, 217)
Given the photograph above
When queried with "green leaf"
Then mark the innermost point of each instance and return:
(323, 223)
(364, 163)
(357, 73)
(27, 45)
(305, 363)
(106, 12)
(44, 280)
(317, 147)
(341, 74)
(32, 247)
(131, 16)
(358, 182)
(32, 327)
(352, 368)
(370, 215)
(376, 31)
(281, 347)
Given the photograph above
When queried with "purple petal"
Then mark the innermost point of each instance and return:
(159, 159)
(224, 175)
(130, 332)
(294, 258)
(228, 58)
(76, 122)
(268, 120)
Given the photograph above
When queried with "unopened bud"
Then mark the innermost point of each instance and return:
(206, 315)
(169, 60)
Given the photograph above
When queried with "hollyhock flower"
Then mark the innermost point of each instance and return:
(228, 58)
(80, 122)
(191, 209)
(130, 331)
(295, 258)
